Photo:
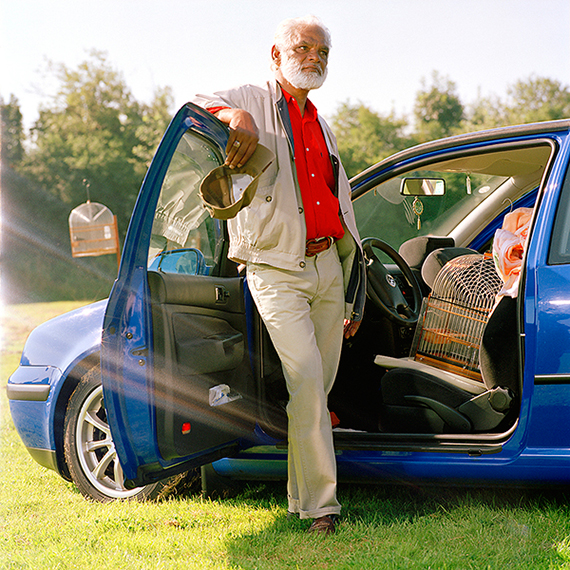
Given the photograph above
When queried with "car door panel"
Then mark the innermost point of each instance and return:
(547, 314)
(209, 292)
(202, 372)
(206, 344)
(176, 372)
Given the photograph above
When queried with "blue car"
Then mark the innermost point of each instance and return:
(460, 372)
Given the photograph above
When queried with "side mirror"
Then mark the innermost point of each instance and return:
(188, 261)
(422, 187)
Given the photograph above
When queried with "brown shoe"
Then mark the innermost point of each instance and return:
(324, 525)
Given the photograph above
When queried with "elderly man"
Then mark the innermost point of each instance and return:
(299, 242)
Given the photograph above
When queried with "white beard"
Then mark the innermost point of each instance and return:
(300, 79)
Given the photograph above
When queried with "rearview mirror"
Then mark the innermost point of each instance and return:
(422, 187)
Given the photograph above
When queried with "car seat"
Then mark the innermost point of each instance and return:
(421, 249)
(464, 377)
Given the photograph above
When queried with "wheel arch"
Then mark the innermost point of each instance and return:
(69, 383)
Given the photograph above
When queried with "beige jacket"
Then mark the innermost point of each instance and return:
(271, 229)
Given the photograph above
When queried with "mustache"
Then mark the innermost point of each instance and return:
(311, 68)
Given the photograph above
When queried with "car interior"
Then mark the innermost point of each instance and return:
(461, 372)
(444, 361)
(438, 353)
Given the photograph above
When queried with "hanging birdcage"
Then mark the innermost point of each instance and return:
(455, 313)
(93, 231)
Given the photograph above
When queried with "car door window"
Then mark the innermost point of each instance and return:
(201, 366)
(184, 238)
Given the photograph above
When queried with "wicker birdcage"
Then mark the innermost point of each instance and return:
(455, 313)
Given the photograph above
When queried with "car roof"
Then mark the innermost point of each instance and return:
(495, 134)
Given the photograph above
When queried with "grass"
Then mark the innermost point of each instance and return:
(46, 524)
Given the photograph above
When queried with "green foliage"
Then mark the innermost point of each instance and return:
(36, 253)
(154, 120)
(11, 132)
(94, 132)
(486, 113)
(364, 137)
(438, 109)
(533, 100)
(537, 99)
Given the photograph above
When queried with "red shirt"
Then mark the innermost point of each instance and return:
(314, 172)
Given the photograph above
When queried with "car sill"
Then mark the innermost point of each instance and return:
(471, 444)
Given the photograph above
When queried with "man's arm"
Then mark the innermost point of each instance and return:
(244, 135)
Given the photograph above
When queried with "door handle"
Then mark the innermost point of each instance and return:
(222, 294)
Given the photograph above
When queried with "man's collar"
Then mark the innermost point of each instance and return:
(309, 107)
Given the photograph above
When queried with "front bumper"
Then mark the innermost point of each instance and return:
(32, 397)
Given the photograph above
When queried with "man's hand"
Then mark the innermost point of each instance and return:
(350, 328)
(244, 136)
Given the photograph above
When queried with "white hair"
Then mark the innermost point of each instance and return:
(287, 30)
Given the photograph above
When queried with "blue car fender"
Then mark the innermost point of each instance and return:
(54, 353)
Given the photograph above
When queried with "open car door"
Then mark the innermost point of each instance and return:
(177, 379)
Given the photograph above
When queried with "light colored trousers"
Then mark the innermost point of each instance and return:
(304, 314)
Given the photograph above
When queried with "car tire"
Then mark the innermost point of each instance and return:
(89, 449)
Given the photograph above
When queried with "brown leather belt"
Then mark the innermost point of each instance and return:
(318, 245)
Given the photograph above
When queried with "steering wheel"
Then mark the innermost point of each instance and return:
(384, 291)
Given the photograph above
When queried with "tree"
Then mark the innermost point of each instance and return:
(364, 137)
(537, 99)
(95, 132)
(438, 109)
(528, 101)
(485, 113)
(155, 119)
(11, 132)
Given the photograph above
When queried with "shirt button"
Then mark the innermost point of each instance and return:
(268, 198)
(318, 203)
(307, 149)
(312, 175)
(302, 265)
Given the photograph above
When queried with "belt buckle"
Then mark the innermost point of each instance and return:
(317, 242)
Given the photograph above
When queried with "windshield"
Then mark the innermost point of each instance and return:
(478, 187)
(384, 213)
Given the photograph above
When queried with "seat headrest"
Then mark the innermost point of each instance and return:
(415, 250)
(438, 258)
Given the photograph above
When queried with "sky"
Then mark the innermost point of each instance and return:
(382, 49)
